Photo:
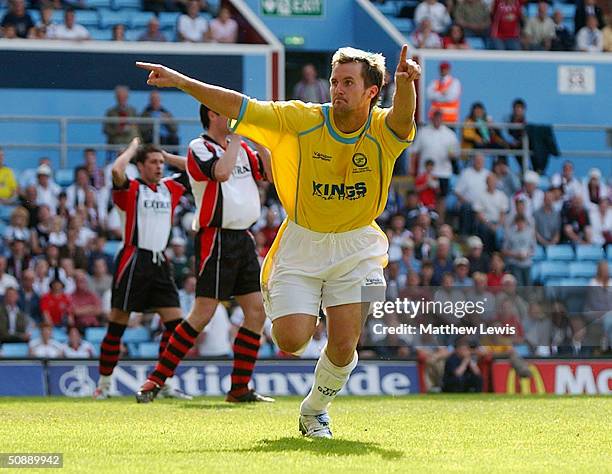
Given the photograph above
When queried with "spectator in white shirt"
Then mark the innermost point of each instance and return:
(191, 27)
(77, 348)
(425, 36)
(46, 347)
(436, 12)
(70, 30)
(491, 208)
(472, 183)
(589, 37)
(223, 29)
(46, 190)
(6, 280)
(600, 217)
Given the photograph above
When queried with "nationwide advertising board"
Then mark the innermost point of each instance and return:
(560, 377)
(201, 378)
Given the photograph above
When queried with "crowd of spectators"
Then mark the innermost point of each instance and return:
(505, 25)
(192, 25)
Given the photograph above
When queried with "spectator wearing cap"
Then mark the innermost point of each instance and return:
(76, 347)
(462, 271)
(56, 306)
(540, 30)
(479, 261)
(28, 176)
(547, 222)
(461, 371)
(519, 248)
(471, 185)
(575, 222)
(437, 14)
(474, 17)
(507, 181)
(47, 191)
(600, 217)
(594, 188)
(534, 197)
(491, 208)
(8, 183)
(13, 321)
(45, 346)
(6, 280)
(445, 95)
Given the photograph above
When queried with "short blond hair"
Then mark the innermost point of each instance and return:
(373, 66)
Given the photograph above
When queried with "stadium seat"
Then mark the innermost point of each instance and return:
(34, 14)
(563, 252)
(3, 226)
(65, 176)
(110, 18)
(87, 18)
(582, 269)
(14, 349)
(140, 19)
(98, 3)
(127, 4)
(148, 350)
(589, 252)
(168, 19)
(550, 270)
(95, 335)
(58, 16)
(573, 282)
(387, 8)
(475, 42)
(60, 335)
(540, 254)
(609, 252)
(5, 212)
(404, 25)
(134, 33)
(111, 247)
(139, 334)
(101, 34)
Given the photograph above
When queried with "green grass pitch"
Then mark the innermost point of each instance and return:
(480, 433)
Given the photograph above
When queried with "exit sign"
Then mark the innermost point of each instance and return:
(292, 7)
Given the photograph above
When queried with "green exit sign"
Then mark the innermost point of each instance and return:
(292, 7)
(294, 41)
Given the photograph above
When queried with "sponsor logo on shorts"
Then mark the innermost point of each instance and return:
(317, 155)
(339, 191)
(328, 392)
(374, 281)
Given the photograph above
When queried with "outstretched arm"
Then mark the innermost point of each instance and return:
(223, 101)
(177, 161)
(401, 116)
(120, 164)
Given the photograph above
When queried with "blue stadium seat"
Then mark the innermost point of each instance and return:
(95, 335)
(476, 43)
(101, 35)
(387, 8)
(404, 25)
(168, 19)
(65, 176)
(578, 282)
(589, 252)
(34, 14)
(140, 19)
(134, 33)
(14, 349)
(111, 247)
(127, 4)
(540, 254)
(58, 16)
(609, 252)
(148, 350)
(5, 212)
(582, 269)
(110, 18)
(3, 226)
(98, 3)
(87, 18)
(139, 334)
(60, 334)
(550, 270)
(563, 252)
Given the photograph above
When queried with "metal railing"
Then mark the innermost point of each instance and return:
(63, 144)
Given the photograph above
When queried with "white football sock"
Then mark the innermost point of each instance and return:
(329, 380)
(104, 381)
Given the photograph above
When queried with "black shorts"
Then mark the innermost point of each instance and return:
(226, 263)
(140, 284)
(444, 187)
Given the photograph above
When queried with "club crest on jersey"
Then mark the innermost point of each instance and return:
(360, 161)
(339, 191)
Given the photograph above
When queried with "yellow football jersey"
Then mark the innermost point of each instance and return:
(328, 181)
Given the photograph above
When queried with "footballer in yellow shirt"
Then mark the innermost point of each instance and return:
(332, 166)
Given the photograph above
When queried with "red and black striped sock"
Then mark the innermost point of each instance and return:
(246, 346)
(111, 347)
(180, 343)
(169, 327)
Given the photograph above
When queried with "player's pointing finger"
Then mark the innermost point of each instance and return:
(148, 66)
(403, 54)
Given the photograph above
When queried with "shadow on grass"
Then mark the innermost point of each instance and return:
(320, 447)
(194, 405)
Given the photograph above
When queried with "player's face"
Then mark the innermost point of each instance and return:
(218, 123)
(152, 170)
(347, 88)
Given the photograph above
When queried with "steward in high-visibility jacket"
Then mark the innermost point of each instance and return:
(444, 94)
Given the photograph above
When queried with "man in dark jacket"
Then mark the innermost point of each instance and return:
(13, 321)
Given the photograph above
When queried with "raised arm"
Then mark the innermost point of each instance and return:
(224, 166)
(266, 160)
(177, 161)
(223, 101)
(401, 116)
(120, 164)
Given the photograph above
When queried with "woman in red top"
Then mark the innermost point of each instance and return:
(506, 16)
(495, 276)
(56, 306)
(455, 39)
